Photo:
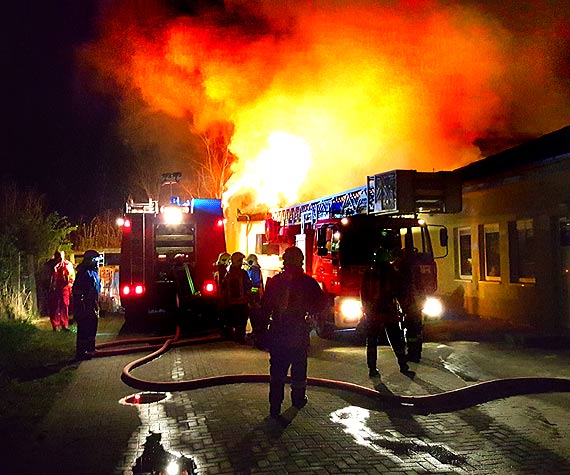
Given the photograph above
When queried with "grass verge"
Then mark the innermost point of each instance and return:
(35, 366)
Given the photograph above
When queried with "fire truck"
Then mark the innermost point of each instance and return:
(339, 234)
(166, 259)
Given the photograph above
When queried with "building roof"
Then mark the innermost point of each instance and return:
(549, 148)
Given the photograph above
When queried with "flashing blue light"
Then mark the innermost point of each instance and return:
(336, 208)
(210, 206)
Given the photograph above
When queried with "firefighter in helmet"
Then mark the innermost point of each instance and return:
(236, 290)
(254, 271)
(378, 293)
(221, 266)
(86, 290)
(289, 298)
(411, 296)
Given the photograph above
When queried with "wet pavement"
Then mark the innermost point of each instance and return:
(225, 429)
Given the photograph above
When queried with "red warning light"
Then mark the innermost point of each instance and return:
(209, 287)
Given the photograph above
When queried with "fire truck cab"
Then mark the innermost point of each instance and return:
(339, 234)
(166, 259)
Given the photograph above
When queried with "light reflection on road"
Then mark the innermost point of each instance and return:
(396, 447)
(154, 419)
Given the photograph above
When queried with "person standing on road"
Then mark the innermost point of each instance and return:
(257, 328)
(378, 293)
(236, 290)
(221, 266)
(290, 297)
(411, 298)
(86, 290)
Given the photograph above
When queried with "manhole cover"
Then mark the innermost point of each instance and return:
(144, 398)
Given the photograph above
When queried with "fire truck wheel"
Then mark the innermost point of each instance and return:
(325, 330)
(132, 315)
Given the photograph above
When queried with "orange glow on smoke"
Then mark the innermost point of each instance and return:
(320, 96)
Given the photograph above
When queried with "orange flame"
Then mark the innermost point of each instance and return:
(323, 96)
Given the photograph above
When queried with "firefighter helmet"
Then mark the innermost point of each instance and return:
(237, 258)
(223, 259)
(251, 260)
(91, 255)
(293, 256)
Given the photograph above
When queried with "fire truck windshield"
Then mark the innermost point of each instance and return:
(360, 238)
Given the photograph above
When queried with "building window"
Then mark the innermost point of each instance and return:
(465, 264)
(492, 257)
(521, 251)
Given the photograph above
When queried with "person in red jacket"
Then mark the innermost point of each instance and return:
(59, 295)
(290, 297)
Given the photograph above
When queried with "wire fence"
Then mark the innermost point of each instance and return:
(18, 299)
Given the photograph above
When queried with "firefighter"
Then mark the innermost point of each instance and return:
(378, 293)
(86, 290)
(236, 290)
(411, 298)
(254, 271)
(290, 297)
(221, 265)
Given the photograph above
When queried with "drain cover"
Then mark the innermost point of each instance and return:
(144, 398)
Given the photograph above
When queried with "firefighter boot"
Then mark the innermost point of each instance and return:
(404, 368)
(299, 398)
(81, 352)
(371, 355)
(414, 350)
(276, 395)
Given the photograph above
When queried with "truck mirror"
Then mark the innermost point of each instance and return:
(443, 237)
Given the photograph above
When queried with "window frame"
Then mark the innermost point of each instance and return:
(464, 231)
(515, 251)
(487, 229)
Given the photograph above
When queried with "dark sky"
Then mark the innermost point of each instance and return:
(58, 137)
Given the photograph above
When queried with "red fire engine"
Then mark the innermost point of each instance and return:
(339, 233)
(167, 255)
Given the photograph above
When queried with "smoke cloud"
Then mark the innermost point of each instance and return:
(366, 86)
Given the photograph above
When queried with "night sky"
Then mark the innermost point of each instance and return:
(71, 138)
(59, 137)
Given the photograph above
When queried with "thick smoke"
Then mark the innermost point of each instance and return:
(367, 86)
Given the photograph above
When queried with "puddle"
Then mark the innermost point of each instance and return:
(394, 446)
(156, 460)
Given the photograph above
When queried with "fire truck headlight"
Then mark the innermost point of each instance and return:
(433, 308)
(172, 215)
(351, 310)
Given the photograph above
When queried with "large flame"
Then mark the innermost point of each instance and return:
(321, 96)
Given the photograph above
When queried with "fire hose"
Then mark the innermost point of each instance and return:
(443, 402)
